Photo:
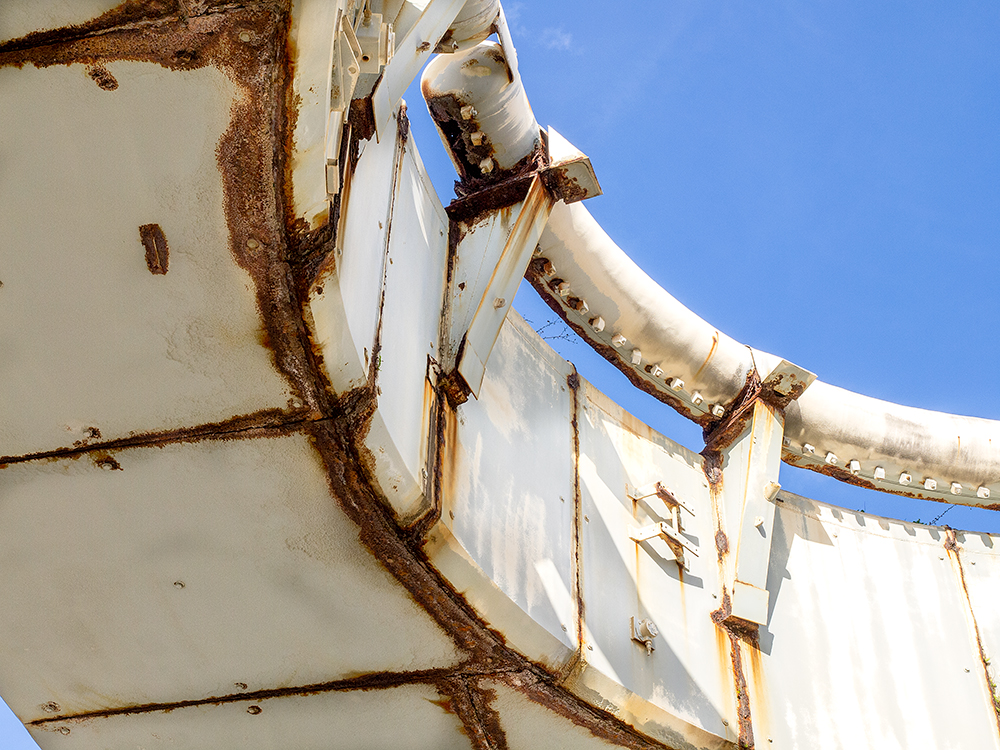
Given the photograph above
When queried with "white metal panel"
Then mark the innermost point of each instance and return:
(192, 568)
(868, 631)
(20, 19)
(346, 299)
(90, 337)
(507, 496)
(980, 565)
(311, 32)
(411, 319)
(685, 677)
(530, 726)
(411, 717)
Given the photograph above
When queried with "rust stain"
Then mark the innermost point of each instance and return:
(739, 632)
(573, 382)
(102, 77)
(954, 552)
(711, 352)
(157, 251)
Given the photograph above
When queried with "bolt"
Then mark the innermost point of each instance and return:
(589, 647)
(854, 466)
(560, 287)
(244, 36)
(956, 488)
(905, 478)
(697, 399)
(498, 303)
(656, 371)
(725, 723)
(179, 584)
(618, 340)
(718, 410)
(758, 521)
(51, 707)
(831, 458)
(676, 384)
(879, 474)
(253, 710)
(808, 448)
(477, 138)
(240, 685)
(564, 628)
(930, 484)
(636, 356)
(486, 165)
(983, 492)
(597, 323)
(587, 519)
(468, 111)
(252, 243)
(63, 730)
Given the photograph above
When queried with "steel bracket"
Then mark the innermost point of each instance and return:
(669, 531)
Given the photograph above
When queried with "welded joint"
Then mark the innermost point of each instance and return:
(569, 174)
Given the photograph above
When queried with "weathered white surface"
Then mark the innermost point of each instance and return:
(686, 679)
(311, 32)
(530, 726)
(507, 498)
(90, 337)
(411, 319)
(20, 19)
(345, 301)
(405, 717)
(277, 590)
(869, 622)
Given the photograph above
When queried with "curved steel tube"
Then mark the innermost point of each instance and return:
(853, 437)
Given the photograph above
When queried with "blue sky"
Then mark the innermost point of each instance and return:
(819, 180)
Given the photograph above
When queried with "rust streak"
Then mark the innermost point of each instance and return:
(573, 381)
(954, 552)
(155, 242)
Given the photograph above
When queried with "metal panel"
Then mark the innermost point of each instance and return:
(411, 319)
(346, 298)
(868, 624)
(507, 497)
(20, 19)
(190, 569)
(312, 34)
(412, 717)
(685, 677)
(530, 726)
(96, 340)
(976, 565)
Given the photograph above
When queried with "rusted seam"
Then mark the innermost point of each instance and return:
(573, 381)
(471, 704)
(263, 423)
(372, 681)
(952, 547)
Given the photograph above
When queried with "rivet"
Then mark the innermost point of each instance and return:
(564, 628)
(254, 710)
(244, 36)
(51, 707)
(296, 402)
(451, 515)
(252, 243)
(499, 302)
(179, 584)
(240, 685)
(587, 519)
(589, 647)
(63, 730)
(725, 723)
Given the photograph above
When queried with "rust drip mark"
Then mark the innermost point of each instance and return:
(371, 681)
(954, 552)
(715, 343)
(739, 632)
(268, 423)
(103, 78)
(155, 242)
(573, 381)
(473, 706)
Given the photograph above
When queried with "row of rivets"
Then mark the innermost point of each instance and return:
(905, 478)
(545, 268)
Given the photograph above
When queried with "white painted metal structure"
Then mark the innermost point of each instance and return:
(281, 467)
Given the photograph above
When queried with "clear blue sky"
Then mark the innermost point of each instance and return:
(820, 180)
